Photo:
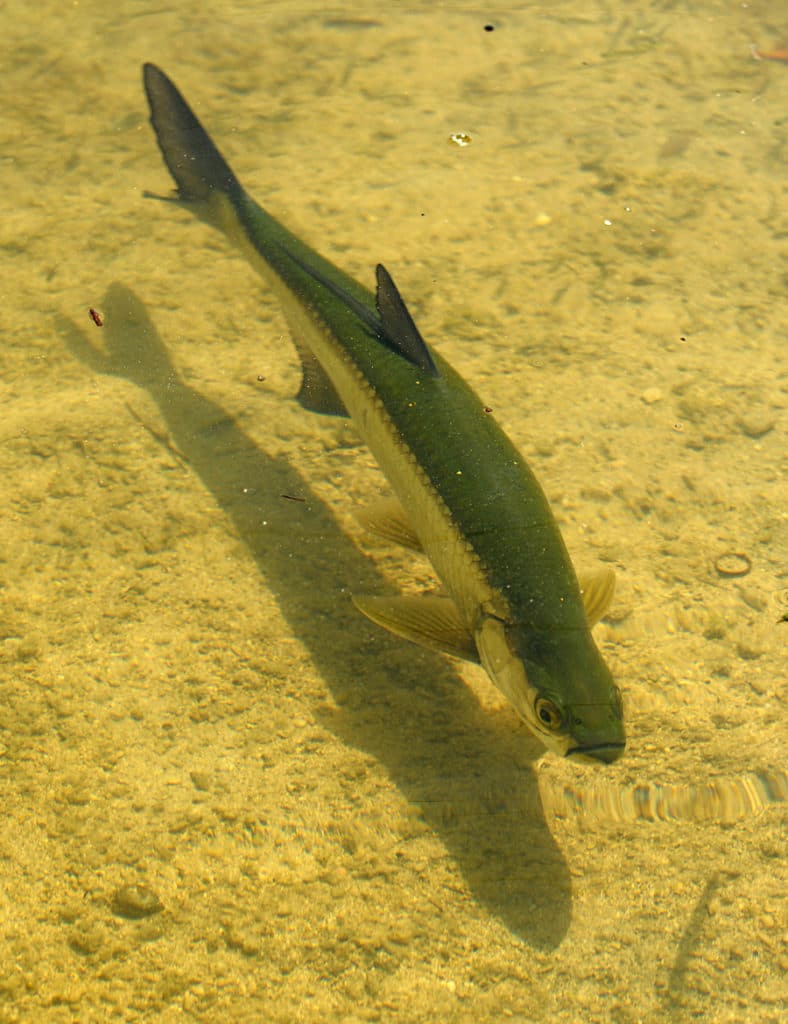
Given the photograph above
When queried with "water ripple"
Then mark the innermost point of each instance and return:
(720, 800)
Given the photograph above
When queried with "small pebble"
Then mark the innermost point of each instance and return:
(201, 781)
(732, 564)
(748, 651)
(753, 598)
(715, 628)
(651, 395)
(135, 901)
(756, 424)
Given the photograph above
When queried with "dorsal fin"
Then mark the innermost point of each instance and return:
(399, 331)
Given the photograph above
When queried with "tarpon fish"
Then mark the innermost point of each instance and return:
(464, 494)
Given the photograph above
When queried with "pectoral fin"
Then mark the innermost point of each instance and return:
(597, 589)
(389, 520)
(432, 622)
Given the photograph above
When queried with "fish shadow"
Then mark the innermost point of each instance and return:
(469, 772)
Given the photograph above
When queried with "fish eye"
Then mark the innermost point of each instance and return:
(548, 713)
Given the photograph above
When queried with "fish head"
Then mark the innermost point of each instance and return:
(560, 686)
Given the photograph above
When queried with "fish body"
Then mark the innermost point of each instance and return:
(466, 496)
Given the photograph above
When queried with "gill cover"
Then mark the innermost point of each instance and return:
(538, 709)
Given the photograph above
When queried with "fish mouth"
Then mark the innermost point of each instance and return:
(607, 752)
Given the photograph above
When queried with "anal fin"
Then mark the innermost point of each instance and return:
(317, 393)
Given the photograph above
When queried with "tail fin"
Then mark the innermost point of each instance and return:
(191, 157)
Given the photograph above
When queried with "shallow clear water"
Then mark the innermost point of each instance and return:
(586, 214)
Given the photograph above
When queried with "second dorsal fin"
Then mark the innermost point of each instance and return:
(399, 331)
